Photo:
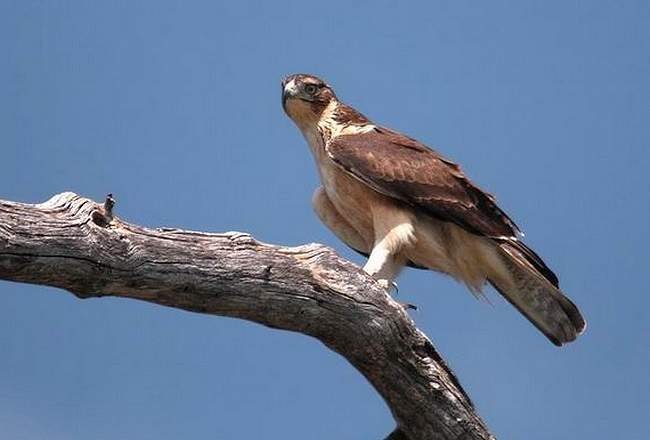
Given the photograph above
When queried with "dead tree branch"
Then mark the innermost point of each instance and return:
(78, 245)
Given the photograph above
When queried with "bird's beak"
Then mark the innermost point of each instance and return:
(289, 90)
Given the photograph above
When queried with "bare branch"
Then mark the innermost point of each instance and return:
(80, 246)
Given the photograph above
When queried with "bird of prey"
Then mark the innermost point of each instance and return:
(400, 203)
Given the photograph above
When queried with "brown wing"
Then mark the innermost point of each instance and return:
(407, 170)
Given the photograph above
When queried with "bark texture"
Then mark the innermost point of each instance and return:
(78, 245)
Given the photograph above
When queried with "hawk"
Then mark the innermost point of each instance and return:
(400, 203)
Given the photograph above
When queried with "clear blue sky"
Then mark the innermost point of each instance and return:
(175, 108)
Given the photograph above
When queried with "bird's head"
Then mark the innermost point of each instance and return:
(305, 97)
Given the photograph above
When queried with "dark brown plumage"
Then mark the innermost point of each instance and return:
(403, 168)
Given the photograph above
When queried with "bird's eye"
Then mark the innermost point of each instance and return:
(310, 89)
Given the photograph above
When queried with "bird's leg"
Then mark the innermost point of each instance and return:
(393, 230)
(384, 266)
(377, 260)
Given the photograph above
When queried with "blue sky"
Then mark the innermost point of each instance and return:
(175, 108)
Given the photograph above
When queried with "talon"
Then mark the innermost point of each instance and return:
(388, 285)
(408, 306)
(384, 283)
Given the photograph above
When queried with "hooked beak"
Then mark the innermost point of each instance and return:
(289, 90)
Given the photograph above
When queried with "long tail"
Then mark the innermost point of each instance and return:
(533, 289)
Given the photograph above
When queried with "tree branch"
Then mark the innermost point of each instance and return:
(80, 246)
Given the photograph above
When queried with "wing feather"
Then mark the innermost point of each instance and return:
(405, 169)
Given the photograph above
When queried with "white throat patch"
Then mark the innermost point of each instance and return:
(335, 128)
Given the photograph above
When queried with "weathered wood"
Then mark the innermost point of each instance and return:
(80, 246)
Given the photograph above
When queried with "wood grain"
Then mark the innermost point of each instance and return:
(79, 245)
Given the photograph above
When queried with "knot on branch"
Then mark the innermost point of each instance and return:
(103, 215)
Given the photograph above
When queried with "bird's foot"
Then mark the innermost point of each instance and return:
(389, 286)
(392, 285)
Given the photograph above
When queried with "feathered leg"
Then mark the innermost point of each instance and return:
(394, 232)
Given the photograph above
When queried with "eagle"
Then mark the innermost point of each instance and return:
(400, 203)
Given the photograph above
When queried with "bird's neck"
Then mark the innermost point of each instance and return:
(340, 119)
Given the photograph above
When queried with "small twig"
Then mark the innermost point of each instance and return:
(108, 206)
(104, 216)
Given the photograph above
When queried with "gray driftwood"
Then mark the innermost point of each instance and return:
(78, 245)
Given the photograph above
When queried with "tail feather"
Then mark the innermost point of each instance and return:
(534, 292)
(531, 257)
